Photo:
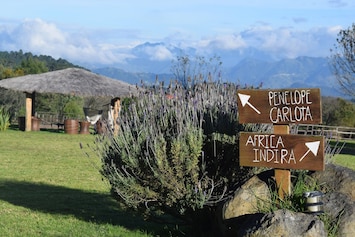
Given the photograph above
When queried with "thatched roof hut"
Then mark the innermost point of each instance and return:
(72, 81)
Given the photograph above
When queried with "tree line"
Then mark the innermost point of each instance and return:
(18, 63)
(336, 111)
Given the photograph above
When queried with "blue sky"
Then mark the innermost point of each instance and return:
(105, 30)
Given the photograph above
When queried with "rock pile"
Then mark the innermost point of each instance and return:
(241, 215)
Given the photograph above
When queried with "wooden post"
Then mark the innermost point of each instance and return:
(282, 176)
(116, 104)
(28, 125)
(33, 111)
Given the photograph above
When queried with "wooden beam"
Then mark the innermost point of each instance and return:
(28, 112)
(282, 176)
(33, 104)
(116, 105)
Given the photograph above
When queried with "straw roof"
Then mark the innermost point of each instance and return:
(74, 81)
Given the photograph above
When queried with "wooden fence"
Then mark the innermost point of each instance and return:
(332, 132)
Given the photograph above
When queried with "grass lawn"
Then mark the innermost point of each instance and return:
(347, 156)
(49, 187)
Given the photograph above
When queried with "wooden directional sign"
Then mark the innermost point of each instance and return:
(284, 106)
(284, 151)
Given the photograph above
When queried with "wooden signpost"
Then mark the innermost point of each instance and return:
(281, 150)
(280, 106)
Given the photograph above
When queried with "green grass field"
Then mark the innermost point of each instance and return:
(347, 156)
(49, 187)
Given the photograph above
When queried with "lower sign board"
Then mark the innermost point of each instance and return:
(284, 151)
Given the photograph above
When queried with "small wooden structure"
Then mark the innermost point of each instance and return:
(72, 81)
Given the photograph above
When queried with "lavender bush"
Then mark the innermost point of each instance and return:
(177, 148)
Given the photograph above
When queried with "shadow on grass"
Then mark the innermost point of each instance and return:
(87, 206)
(49, 129)
(348, 149)
(52, 129)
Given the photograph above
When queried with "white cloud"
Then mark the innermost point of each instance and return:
(40, 37)
(158, 52)
(105, 46)
(289, 42)
(282, 42)
(225, 42)
(334, 30)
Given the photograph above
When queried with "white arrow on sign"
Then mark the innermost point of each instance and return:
(313, 147)
(245, 100)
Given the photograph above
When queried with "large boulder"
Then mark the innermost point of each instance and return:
(279, 223)
(340, 212)
(337, 179)
(250, 198)
(241, 214)
(339, 199)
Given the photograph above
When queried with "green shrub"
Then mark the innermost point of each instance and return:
(177, 151)
(74, 108)
(301, 182)
(4, 119)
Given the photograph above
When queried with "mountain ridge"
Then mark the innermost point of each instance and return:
(305, 72)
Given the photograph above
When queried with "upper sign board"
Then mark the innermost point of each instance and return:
(286, 106)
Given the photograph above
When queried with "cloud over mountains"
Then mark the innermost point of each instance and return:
(109, 47)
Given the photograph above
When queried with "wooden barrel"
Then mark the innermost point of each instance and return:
(71, 126)
(84, 127)
(36, 122)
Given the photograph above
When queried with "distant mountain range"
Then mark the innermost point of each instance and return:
(250, 67)
(301, 72)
